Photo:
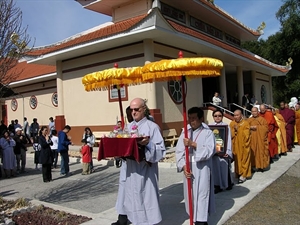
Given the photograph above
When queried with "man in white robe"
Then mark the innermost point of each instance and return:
(222, 163)
(201, 143)
(138, 198)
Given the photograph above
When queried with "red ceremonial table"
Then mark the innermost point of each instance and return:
(120, 147)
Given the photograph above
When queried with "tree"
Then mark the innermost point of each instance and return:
(281, 46)
(13, 42)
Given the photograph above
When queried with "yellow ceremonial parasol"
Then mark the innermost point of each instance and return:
(113, 78)
(182, 69)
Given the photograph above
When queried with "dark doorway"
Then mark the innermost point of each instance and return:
(4, 114)
(210, 86)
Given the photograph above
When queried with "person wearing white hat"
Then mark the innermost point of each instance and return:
(20, 150)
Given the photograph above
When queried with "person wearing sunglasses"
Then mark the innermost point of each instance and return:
(138, 194)
(222, 162)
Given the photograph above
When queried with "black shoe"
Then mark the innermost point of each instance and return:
(229, 187)
(118, 163)
(253, 170)
(217, 189)
(116, 223)
(122, 220)
(201, 223)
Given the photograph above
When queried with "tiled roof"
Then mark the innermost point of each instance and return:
(95, 35)
(186, 30)
(31, 70)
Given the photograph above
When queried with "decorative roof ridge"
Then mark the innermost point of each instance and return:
(255, 32)
(288, 66)
(284, 69)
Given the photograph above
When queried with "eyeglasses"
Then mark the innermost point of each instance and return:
(135, 109)
(217, 115)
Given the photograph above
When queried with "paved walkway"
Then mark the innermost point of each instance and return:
(95, 195)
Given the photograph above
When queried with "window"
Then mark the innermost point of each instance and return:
(175, 91)
(172, 12)
(14, 104)
(113, 94)
(263, 94)
(33, 102)
(54, 99)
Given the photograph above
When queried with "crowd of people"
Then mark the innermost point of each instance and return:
(47, 144)
(252, 143)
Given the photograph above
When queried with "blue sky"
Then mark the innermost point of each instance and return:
(50, 21)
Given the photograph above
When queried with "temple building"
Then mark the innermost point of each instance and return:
(140, 31)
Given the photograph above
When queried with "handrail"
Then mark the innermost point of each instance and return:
(269, 106)
(219, 107)
(245, 111)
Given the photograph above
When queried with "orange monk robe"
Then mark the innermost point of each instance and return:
(273, 127)
(241, 148)
(295, 132)
(297, 125)
(281, 134)
(260, 157)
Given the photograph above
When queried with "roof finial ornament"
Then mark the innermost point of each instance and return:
(261, 27)
(155, 4)
(289, 63)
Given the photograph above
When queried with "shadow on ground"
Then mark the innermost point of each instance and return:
(96, 185)
(171, 200)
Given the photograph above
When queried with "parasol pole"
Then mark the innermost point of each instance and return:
(120, 101)
(187, 157)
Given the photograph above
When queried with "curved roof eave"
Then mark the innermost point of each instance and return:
(160, 25)
(49, 54)
(280, 70)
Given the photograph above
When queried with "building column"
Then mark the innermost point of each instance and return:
(223, 89)
(60, 120)
(254, 86)
(271, 91)
(240, 83)
(151, 88)
(200, 96)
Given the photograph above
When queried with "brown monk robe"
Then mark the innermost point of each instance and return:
(273, 127)
(297, 115)
(281, 133)
(260, 157)
(240, 136)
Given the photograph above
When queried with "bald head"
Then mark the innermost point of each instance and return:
(138, 101)
(138, 108)
(254, 112)
(237, 115)
(262, 108)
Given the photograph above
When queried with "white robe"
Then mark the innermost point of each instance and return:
(222, 166)
(201, 164)
(138, 195)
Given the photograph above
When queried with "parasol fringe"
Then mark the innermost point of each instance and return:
(176, 75)
(163, 70)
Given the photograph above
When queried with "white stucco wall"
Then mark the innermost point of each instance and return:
(42, 112)
(262, 79)
(82, 108)
(132, 9)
